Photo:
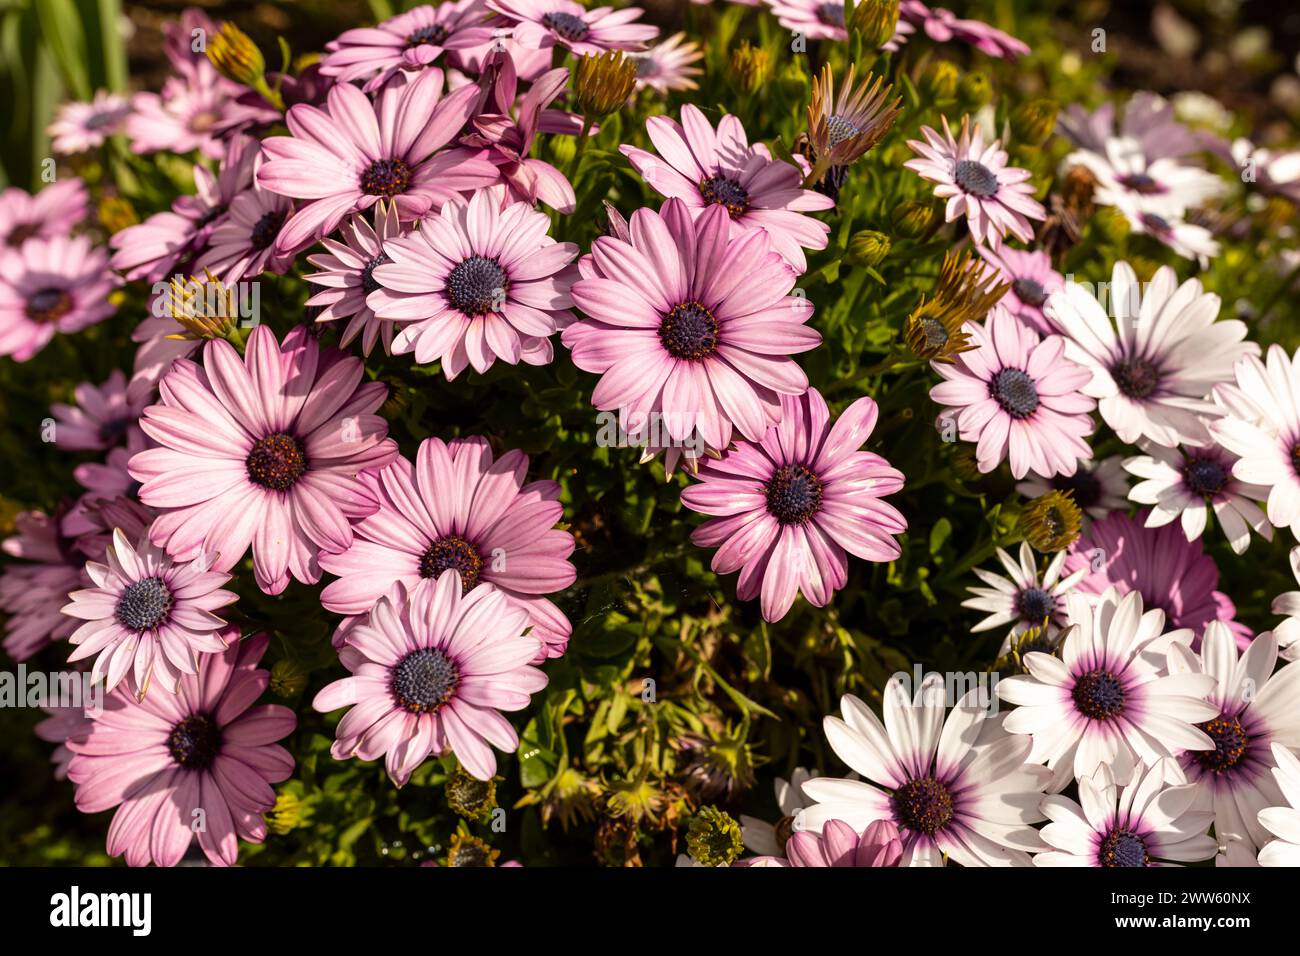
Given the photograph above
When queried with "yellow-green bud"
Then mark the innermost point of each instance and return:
(116, 213)
(975, 90)
(1051, 522)
(603, 83)
(236, 56)
(1111, 224)
(287, 678)
(875, 21)
(751, 67)
(940, 80)
(285, 815)
(914, 219)
(1033, 122)
(714, 838)
(793, 82)
(868, 248)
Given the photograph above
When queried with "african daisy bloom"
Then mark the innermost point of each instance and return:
(52, 211)
(147, 617)
(243, 243)
(460, 510)
(185, 116)
(1128, 180)
(1268, 438)
(943, 25)
(103, 416)
(78, 127)
(1097, 487)
(347, 276)
(1108, 698)
(1171, 572)
(542, 24)
(691, 326)
(1149, 821)
(264, 450)
(1146, 118)
(1187, 239)
(1017, 397)
(705, 168)
(1153, 366)
(32, 592)
(788, 510)
(1256, 711)
(668, 65)
(163, 759)
(957, 786)
(1023, 599)
(977, 183)
(432, 669)
(352, 154)
(838, 844)
(811, 18)
(48, 286)
(1184, 485)
(842, 129)
(407, 42)
(1283, 821)
(767, 839)
(476, 283)
(1032, 279)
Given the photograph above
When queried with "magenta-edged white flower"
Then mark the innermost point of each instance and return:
(1023, 598)
(432, 669)
(1283, 821)
(1147, 819)
(959, 787)
(147, 616)
(542, 24)
(1109, 698)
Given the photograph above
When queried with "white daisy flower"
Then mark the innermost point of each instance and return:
(767, 839)
(1148, 822)
(957, 789)
(1153, 374)
(1187, 239)
(1283, 821)
(1099, 487)
(1185, 484)
(1265, 431)
(1128, 179)
(1023, 598)
(1288, 605)
(1109, 698)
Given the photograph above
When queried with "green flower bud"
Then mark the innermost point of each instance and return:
(287, 678)
(868, 248)
(1111, 224)
(914, 219)
(940, 80)
(714, 838)
(975, 90)
(875, 21)
(1032, 123)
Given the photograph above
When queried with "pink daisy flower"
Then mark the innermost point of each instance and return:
(705, 168)
(174, 239)
(48, 286)
(1147, 119)
(1169, 571)
(172, 760)
(103, 416)
(432, 669)
(668, 65)
(62, 725)
(1032, 280)
(147, 616)
(788, 510)
(1108, 699)
(265, 451)
(243, 243)
(1018, 397)
(458, 510)
(879, 845)
(1154, 365)
(92, 521)
(814, 19)
(542, 24)
(183, 117)
(51, 212)
(351, 155)
(943, 25)
(691, 326)
(476, 283)
(995, 198)
(347, 277)
(954, 782)
(31, 593)
(407, 42)
(78, 127)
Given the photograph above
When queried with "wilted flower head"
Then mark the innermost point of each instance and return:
(841, 130)
(967, 289)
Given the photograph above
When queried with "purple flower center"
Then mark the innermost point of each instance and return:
(195, 742)
(1142, 184)
(1156, 225)
(424, 680)
(1204, 476)
(1035, 605)
(276, 462)
(1015, 391)
(48, 305)
(144, 605)
(98, 121)
(1230, 744)
(794, 494)
(452, 553)
(203, 121)
(1123, 847)
(113, 429)
(386, 177)
(567, 25)
(936, 336)
(434, 34)
(838, 129)
(1099, 695)
(726, 192)
(831, 14)
(476, 286)
(646, 67)
(1084, 484)
(689, 331)
(923, 805)
(368, 281)
(266, 229)
(1136, 377)
(975, 178)
(1029, 291)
